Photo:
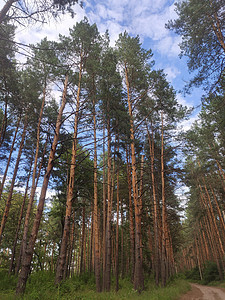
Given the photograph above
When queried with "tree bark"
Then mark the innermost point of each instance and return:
(9, 198)
(138, 271)
(11, 267)
(107, 271)
(155, 205)
(9, 158)
(96, 223)
(131, 221)
(26, 263)
(117, 223)
(34, 184)
(4, 123)
(82, 241)
(70, 191)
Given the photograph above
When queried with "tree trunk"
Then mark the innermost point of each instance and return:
(107, 271)
(163, 253)
(104, 205)
(122, 241)
(138, 271)
(4, 122)
(82, 241)
(117, 224)
(34, 184)
(70, 255)
(70, 191)
(26, 263)
(11, 268)
(9, 198)
(25, 243)
(9, 158)
(96, 224)
(131, 221)
(155, 205)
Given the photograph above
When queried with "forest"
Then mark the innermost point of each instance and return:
(92, 158)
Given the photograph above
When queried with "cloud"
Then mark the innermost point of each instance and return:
(171, 72)
(147, 19)
(34, 34)
(181, 100)
(168, 45)
(186, 125)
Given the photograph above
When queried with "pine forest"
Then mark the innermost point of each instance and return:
(93, 159)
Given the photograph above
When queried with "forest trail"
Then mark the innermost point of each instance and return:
(201, 292)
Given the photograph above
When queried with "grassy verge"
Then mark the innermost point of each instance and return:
(41, 286)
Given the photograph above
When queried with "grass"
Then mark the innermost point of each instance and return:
(41, 286)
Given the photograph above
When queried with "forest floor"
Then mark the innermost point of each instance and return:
(201, 292)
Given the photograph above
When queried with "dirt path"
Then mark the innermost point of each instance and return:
(201, 292)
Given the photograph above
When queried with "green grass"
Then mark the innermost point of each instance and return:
(41, 286)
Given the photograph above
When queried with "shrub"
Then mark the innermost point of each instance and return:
(210, 272)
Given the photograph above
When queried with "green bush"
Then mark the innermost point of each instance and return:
(193, 274)
(210, 272)
(7, 282)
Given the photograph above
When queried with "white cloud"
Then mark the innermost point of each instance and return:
(168, 45)
(171, 72)
(186, 124)
(181, 100)
(34, 34)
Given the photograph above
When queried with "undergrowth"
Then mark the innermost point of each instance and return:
(41, 286)
(210, 275)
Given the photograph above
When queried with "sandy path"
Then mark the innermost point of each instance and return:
(201, 292)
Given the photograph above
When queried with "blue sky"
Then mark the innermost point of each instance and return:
(145, 18)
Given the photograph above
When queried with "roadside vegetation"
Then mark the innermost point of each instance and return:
(41, 286)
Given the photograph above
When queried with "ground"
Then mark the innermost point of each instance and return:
(201, 292)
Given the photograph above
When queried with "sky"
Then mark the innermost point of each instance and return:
(146, 18)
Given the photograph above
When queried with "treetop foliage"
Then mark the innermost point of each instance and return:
(201, 24)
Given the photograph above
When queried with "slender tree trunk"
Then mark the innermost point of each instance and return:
(82, 241)
(71, 247)
(26, 263)
(107, 273)
(70, 193)
(9, 158)
(117, 224)
(20, 221)
(140, 200)
(219, 212)
(34, 183)
(212, 236)
(96, 223)
(138, 273)
(198, 259)
(104, 205)
(163, 253)
(205, 242)
(9, 198)
(155, 205)
(122, 241)
(91, 245)
(212, 216)
(4, 121)
(88, 246)
(131, 221)
(22, 247)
